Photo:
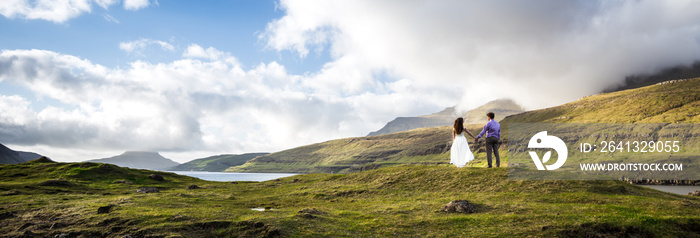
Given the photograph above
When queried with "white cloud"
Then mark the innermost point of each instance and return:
(15, 110)
(55, 11)
(541, 53)
(135, 4)
(184, 106)
(139, 45)
(59, 11)
(196, 51)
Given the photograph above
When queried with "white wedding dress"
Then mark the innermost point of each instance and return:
(460, 153)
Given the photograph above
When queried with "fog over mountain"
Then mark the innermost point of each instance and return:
(500, 107)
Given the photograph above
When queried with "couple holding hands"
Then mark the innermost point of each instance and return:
(460, 153)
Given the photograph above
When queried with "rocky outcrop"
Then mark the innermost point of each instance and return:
(461, 206)
(310, 213)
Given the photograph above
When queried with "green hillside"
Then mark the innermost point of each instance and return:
(418, 146)
(677, 101)
(672, 106)
(672, 101)
(217, 163)
(400, 201)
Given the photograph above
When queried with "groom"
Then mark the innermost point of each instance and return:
(493, 131)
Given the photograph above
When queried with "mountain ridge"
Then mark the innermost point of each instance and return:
(10, 156)
(501, 107)
(216, 163)
(139, 160)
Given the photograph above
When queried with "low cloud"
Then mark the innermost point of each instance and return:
(541, 53)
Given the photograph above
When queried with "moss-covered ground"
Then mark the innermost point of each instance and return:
(399, 201)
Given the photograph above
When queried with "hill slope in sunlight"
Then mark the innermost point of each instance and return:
(668, 102)
(217, 163)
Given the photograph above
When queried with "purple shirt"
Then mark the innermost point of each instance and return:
(492, 128)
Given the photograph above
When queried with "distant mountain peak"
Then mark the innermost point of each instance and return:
(9, 156)
(149, 153)
(501, 107)
(139, 160)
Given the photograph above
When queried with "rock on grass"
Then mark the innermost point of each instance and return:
(461, 206)
(310, 213)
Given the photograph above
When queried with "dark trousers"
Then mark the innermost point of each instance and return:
(492, 145)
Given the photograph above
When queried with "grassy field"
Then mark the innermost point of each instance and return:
(399, 201)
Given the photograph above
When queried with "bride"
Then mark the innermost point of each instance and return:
(460, 152)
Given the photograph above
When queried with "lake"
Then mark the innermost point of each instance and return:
(677, 189)
(230, 176)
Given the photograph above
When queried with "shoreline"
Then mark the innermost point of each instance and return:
(662, 182)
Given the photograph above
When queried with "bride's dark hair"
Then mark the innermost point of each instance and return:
(459, 125)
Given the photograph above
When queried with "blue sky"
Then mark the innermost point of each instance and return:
(231, 26)
(88, 79)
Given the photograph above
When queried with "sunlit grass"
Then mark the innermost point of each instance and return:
(396, 201)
